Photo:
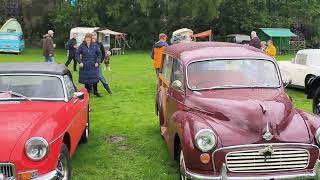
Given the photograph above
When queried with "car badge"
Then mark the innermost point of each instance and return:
(267, 135)
(267, 152)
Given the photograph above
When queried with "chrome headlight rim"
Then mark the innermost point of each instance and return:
(215, 139)
(42, 140)
(317, 136)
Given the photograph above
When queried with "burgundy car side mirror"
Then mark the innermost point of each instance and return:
(177, 84)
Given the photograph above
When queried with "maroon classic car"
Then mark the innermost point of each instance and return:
(224, 114)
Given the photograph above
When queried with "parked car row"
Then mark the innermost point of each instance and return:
(222, 107)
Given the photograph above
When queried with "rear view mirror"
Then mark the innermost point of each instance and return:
(79, 95)
(177, 84)
(287, 82)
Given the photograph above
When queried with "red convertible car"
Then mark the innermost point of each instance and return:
(43, 117)
(224, 114)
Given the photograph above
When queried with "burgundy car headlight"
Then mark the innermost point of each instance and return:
(205, 140)
(36, 148)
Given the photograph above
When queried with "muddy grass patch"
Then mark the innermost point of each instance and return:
(120, 141)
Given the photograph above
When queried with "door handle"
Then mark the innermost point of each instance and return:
(75, 101)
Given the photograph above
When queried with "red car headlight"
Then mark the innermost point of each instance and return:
(36, 148)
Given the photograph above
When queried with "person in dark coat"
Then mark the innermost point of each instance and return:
(101, 77)
(255, 41)
(72, 48)
(48, 47)
(88, 56)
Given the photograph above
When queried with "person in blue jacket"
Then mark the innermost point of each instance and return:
(88, 56)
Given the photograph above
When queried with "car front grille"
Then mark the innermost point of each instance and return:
(8, 170)
(256, 161)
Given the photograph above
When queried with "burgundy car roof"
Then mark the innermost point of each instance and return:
(33, 68)
(192, 51)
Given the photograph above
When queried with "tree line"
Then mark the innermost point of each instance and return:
(143, 20)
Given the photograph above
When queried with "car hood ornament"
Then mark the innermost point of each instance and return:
(267, 135)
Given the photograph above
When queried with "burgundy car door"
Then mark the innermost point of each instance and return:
(176, 89)
(164, 83)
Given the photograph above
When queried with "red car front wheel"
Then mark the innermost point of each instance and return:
(64, 164)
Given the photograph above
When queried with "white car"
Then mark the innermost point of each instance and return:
(304, 67)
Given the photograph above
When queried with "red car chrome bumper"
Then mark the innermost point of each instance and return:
(313, 174)
(49, 176)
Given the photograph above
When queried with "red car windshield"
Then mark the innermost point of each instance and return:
(34, 87)
(244, 73)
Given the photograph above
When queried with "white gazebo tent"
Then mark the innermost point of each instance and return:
(81, 32)
(119, 41)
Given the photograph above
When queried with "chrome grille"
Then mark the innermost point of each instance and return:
(8, 170)
(255, 161)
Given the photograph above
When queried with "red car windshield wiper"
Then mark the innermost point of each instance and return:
(16, 94)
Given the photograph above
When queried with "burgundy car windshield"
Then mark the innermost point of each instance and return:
(31, 86)
(244, 73)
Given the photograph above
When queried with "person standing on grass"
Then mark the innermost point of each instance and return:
(157, 52)
(271, 49)
(255, 41)
(88, 56)
(103, 52)
(72, 48)
(48, 47)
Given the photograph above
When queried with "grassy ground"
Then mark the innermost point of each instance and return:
(125, 141)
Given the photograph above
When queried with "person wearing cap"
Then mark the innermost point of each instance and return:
(88, 56)
(48, 47)
(103, 52)
(157, 52)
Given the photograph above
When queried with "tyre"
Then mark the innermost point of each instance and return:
(64, 164)
(182, 165)
(307, 80)
(86, 132)
(316, 102)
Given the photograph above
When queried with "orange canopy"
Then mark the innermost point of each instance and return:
(203, 34)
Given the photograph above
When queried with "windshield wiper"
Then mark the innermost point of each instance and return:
(16, 94)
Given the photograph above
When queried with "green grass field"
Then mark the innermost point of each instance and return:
(125, 142)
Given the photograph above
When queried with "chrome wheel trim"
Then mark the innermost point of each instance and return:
(182, 167)
(87, 130)
(62, 167)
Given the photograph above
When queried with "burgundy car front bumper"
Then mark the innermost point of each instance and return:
(313, 174)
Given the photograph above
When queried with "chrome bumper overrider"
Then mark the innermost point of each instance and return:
(224, 175)
(49, 176)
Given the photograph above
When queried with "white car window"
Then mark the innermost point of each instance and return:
(301, 59)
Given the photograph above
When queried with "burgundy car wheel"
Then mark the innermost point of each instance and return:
(316, 102)
(182, 165)
(63, 166)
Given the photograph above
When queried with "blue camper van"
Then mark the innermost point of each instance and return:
(11, 37)
(11, 42)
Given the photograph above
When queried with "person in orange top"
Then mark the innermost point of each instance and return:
(157, 52)
(271, 49)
